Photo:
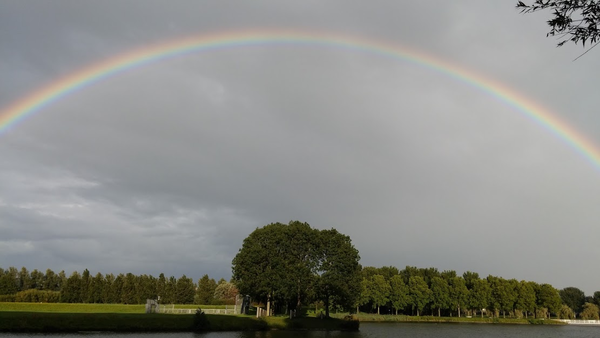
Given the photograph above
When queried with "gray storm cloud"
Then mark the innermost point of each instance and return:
(168, 167)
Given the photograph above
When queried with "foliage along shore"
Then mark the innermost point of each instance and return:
(44, 322)
(375, 318)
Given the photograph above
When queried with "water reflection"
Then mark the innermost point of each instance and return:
(367, 330)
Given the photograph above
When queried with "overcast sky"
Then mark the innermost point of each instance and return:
(168, 167)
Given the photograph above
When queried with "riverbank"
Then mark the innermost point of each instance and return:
(365, 317)
(21, 321)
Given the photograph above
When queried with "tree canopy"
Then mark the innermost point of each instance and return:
(293, 263)
(573, 20)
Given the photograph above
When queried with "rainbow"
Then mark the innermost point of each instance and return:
(36, 101)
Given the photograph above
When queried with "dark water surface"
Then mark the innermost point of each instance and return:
(368, 330)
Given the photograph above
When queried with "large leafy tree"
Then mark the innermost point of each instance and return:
(379, 290)
(573, 20)
(547, 297)
(573, 298)
(440, 294)
(419, 293)
(399, 293)
(338, 270)
(525, 297)
(459, 294)
(259, 268)
(479, 295)
(291, 263)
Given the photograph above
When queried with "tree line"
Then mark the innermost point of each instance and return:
(36, 286)
(287, 266)
(415, 291)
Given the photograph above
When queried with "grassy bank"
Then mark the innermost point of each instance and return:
(20, 321)
(365, 317)
(92, 308)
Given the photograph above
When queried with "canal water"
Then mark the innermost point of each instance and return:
(368, 330)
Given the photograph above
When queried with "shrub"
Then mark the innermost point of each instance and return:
(7, 298)
(350, 323)
(37, 296)
(201, 323)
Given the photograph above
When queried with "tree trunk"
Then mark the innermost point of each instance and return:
(356, 309)
(396, 312)
(417, 312)
(268, 305)
(377, 309)
(439, 313)
(459, 311)
(327, 305)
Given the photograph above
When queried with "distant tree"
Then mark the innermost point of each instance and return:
(573, 298)
(590, 311)
(399, 293)
(388, 272)
(51, 281)
(62, 279)
(185, 290)
(161, 287)
(459, 294)
(206, 290)
(25, 282)
(379, 290)
(470, 278)
(479, 295)
(71, 291)
(548, 297)
(146, 288)
(109, 279)
(428, 274)
(37, 279)
(8, 282)
(448, 274)
(440, 294)
(596, 298)
(368, 271)
(410, 271)
(419, 293)
(525, 301)
(129, 289)
(170, 289)
(573, 20)
(96, 290)
(85, 286)
(566, 312)
(116, 289)
(225, 292)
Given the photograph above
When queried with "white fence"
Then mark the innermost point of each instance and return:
(580, 321)
(167, 309)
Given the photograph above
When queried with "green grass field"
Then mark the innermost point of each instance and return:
(60, 317)
(92, 308)
(141, 322)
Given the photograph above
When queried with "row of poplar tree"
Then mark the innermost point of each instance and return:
(416, 291)
(36, 286)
